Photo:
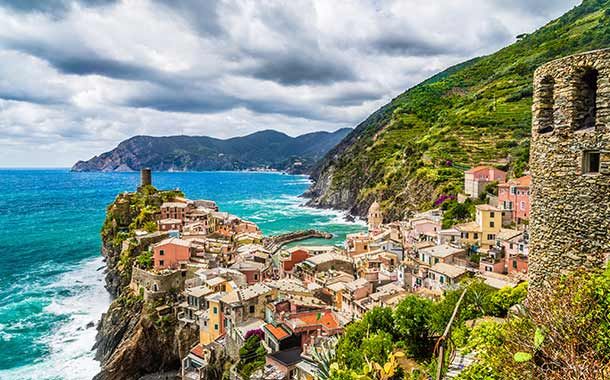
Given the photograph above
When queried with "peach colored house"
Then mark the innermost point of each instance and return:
(169, 253)
(514, 198)
(478, 177)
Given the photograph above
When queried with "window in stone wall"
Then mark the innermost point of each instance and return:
(590, 162)
(546, 102)
(587, 95)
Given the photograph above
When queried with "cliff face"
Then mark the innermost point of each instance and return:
(133, 339)
(197, 153)
(416, 147)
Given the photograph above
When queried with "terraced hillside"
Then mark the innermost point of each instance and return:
(416, 148)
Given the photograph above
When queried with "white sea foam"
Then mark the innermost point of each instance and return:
(70, 356)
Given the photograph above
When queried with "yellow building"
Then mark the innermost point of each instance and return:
(483, 231)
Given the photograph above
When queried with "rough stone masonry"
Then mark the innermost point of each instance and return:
(570, 166)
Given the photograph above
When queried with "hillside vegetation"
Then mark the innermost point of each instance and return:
(416, 148)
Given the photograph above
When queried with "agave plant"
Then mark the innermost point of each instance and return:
(324, 355)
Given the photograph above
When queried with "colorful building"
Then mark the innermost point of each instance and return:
(478, 177)
(514, 198)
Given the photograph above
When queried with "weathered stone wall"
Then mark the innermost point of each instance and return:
(570, 221)
(156, 285)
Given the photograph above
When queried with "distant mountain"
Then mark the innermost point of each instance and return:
(265, 149)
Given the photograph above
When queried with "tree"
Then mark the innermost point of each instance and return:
(411, 318)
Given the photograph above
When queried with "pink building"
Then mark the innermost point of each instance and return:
(173, 210)
(514, 197)
(478, 177)
(169, 253)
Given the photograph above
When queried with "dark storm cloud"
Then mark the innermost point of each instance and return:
(191, 102)
(18, 95)
(397, 44)
(52, 7)
(298, 69)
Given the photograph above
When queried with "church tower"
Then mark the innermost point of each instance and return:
(375, 217)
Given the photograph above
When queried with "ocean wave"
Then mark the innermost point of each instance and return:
(70, 356)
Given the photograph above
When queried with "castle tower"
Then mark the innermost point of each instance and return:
(570, 166)
(145, 177)
(375, 217)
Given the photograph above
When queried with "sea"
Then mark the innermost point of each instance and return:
(51, 273)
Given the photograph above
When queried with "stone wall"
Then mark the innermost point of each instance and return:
(570, 221)
(156, 285)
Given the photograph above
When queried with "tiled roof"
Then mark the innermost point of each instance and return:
(524, 181)
(175, 241)
(198, 351)
(480, 168)
(326, 319)
(278, 332)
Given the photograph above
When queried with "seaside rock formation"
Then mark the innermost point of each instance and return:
(570, 165)
(133, 339)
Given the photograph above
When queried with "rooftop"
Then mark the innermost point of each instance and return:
(287, 357)
(173, 204)
(174, 241)
(451, 271)
(326, 257)
(278, 332)
(525, 181)
(441, 251)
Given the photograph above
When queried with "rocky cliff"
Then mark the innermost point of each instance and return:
(416, 148)
(133, 340)
(265, 149)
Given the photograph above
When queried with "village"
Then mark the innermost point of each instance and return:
(232, 282)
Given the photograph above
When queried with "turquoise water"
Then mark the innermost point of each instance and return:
(51, 278)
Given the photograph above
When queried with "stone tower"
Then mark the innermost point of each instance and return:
(570, 166)
(145, 177)
(375, 217)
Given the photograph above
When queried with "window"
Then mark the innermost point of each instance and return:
(215, 310)
(161, 263)
(492, 214)
(216, 326)
(515, 264)
(587, 91)
(522, 205)
(511, 245)
(441, 279)
(436, 260)
(161, 253)
(590, 162)
(255, 276)
(546, 104)
(476, 235)
(492, 224)
(491, 237)
(252, 309)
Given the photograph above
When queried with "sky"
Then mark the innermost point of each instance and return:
(78, 77)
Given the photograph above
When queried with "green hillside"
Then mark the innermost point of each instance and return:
(416, 148)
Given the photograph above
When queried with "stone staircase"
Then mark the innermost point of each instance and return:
(459, 362)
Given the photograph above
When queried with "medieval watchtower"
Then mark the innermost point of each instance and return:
(570, 165)
(145, 177)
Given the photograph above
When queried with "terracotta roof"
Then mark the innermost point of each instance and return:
(198, 351)
(174, 241)
(317, 318)
(277, 331)
(525, 181)
(479, 168)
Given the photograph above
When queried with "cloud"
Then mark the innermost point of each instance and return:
(78, 77)
(56, 8)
